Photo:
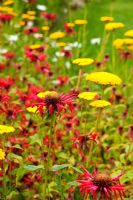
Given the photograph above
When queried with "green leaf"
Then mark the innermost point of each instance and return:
(14, 157)
(72, 183)
(58, 167)
(76, 169)
(33, 167)
(35, 139)
(59, 186)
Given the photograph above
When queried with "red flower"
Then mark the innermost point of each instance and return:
(49, 16)
(31, 30)
(5, 17)
(55, 102)
(11, 111)
(81, 140)
(9, 55)
(69, 30)
(6, 83)
(101, 185)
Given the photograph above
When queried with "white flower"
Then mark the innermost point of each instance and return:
(76, 45)
(38, 35)
(12, 38)
(59, 54)
(30, 24)
(2, 50)
(68, 48)
(95, 41)
(54, 59)
(41, 7)
(55, 82)
(68, 65)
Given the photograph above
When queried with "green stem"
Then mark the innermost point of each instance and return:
(98, 120)
(49, 154)
(79, 79)
(103, 46)
(4, 170)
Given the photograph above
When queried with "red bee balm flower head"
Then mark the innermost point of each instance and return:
(55, 102)
(101, 186)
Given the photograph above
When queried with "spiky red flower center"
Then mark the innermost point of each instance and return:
(102, 180)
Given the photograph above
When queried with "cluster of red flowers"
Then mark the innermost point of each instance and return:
(5, 17)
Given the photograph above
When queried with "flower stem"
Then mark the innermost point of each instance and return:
(79, 79)
(51, 132)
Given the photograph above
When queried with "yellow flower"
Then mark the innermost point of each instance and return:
(57, 35)
(83, 61)
(31, 12)
(113, 25)
(87, 95)
(100, 104)
(35, 46)
(2, 154)
(22, 23)
(70, 24)
(32, 109)
(104, 78)
(118, 43)
(80, 21)
(45, 28)
(61, 44)
(6, 9)
(106, 19)
(30, 17)
(8, 2)
(129, 33)
(128, 41)
(6, 129)
(44, 94)
(130, 47)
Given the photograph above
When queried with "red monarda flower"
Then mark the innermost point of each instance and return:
(31, 30)
(5, 17)
(69, 30)
(49, 16)
(81, 140)
(101, 186)
(55, 102)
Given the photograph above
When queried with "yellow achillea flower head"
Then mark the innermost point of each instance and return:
(6, 129)
(6, 9)
(45, 28)
(27, 16)
(128, 41)
(83, 61)
(35, 46)
(2, 154)
(70, 24)
(87, 95)
(57, 35)
(106, 19)
(129, 33)
(104, 78)
(113, 26)
(31, 12)
(44, 94)
(80, 21)
(61, 44)
(130, 47)
(8, 2)
(32, 109)
(100, 104)
(118, 43)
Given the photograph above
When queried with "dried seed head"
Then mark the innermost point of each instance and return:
(52, 98)
(102, 180)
